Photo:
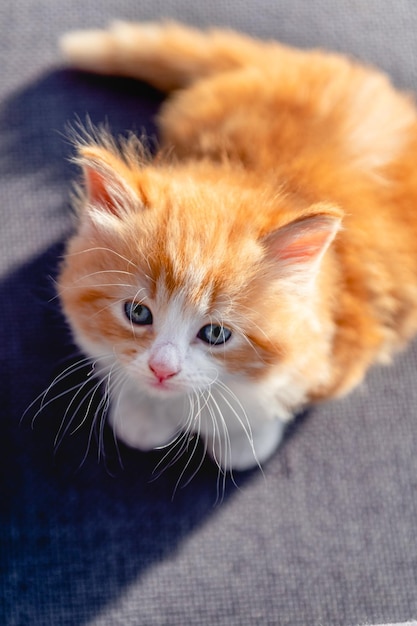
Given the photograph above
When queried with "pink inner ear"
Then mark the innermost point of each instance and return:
(303, 241)
(304, 247)
(97, 190)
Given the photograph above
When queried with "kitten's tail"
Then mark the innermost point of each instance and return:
(166, 55)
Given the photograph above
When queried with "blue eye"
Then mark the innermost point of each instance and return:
(138, 313)
(214, 334)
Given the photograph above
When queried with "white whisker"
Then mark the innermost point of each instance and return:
(100, 414)
(196, 440)
(119, 383)
(224, 450)
(243, 421)
(103, 249)
(85, 276)
(83, 395)
(223, 442)
(62, 432)
(246, 427)
(74, 367)
(181, 440)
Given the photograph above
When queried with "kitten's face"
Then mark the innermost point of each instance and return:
(173, 303)
(172, 284)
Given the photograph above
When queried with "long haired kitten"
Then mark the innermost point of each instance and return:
(263, 259)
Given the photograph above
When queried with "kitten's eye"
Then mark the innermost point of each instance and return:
(138, 313)
(214, 334)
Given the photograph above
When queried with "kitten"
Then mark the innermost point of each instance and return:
(267, 255)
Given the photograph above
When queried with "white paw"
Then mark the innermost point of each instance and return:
(139, 424)
(242, 452)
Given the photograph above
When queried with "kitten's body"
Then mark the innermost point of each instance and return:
(285, 212)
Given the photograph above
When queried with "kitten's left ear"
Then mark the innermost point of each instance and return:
(298, 248)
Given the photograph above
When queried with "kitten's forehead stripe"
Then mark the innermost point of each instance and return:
(197, 267)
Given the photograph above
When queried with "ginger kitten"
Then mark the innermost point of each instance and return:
(263, 259)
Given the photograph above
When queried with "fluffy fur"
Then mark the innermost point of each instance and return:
(280, 208)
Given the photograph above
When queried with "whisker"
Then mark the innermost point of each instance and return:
(115, 411)
(99, 417)
(172, 442)
(82, 396)
(68, 371)
(221, 471)
(103, 407)
(177, 484)
(136, 298)
(103, 249)
(203, 456)
(63, 431)
(85, 276)
(119, 381)
(247, 429)
(244, 336)
(100, 414)
(216, 433)
(108, 306)
(261, 330)
(181, 441)
(196, 437)
(82, 385)
(162, 466)
(91, 431)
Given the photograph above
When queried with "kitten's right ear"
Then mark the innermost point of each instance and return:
(109, 190)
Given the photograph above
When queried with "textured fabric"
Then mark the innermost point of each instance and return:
(326, 536)
(402, 624)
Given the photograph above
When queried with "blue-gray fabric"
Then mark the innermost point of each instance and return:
(327, 534)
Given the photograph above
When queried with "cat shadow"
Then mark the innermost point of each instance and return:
(76, 527)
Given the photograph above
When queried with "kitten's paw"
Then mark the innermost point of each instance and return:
(142, 433)
(242, 452)
(139, 424)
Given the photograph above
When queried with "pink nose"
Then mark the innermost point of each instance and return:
(164, 361)
(162, 371)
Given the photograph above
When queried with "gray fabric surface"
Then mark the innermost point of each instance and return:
(402, 624)
(327, 536)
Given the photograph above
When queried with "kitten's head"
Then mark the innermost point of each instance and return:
(182, 275)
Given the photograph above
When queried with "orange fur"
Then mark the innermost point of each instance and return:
(258, 138)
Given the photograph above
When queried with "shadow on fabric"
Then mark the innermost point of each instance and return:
(35, 122)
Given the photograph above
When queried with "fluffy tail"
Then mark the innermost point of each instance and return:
(166, 55)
